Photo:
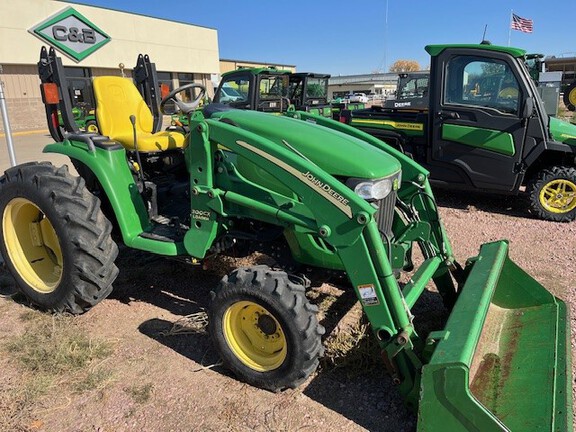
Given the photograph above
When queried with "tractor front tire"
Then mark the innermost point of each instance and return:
(264, 328)
(552, 194)
(54, 238)
(570, 97)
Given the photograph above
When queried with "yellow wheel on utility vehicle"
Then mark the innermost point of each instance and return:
(552, 194)
(570, 97)
(54, 238)
(264, 328)
(255, 336)
(32, 245)
(559, 196)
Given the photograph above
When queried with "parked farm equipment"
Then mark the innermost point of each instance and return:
(483, 128)
(322, 196)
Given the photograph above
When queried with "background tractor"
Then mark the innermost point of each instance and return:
(287, 186)
(276, 90)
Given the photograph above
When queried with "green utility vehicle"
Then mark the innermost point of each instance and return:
(484, 129)
(411, 91)
(309, 92)
(287, 186)
(257, 89)
(276, 90)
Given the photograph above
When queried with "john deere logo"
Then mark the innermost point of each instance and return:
(72, 33)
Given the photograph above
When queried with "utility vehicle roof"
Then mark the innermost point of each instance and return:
(435, 50)
(258, 71)
(311, 74)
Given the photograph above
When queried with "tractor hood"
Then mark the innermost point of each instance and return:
(334, 152)
(563, 131)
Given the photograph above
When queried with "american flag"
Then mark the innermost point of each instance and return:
(523, 24)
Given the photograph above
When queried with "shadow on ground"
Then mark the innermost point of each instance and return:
(366, 397)
(510, 205)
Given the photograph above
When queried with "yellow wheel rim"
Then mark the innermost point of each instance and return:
(559, 196)
(572, 96)
(92, 128)
(508, 93)
(32, 245)
(254, 336)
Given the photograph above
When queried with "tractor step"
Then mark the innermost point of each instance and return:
(165, 229)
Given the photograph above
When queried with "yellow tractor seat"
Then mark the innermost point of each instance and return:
(116, 100)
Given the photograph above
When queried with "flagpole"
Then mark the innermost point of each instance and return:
(510, 26)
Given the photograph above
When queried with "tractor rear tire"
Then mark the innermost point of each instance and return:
(570, 97)
(552, 194)
(55, 239)
(265, 329)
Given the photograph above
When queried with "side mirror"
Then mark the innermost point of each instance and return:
(528, 108)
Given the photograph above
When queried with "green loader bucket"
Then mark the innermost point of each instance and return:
(503, 361)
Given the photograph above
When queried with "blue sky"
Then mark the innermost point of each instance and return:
(353, 37)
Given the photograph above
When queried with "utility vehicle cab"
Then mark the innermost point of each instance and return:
(484, 128)
(309, 92)
(257, 89)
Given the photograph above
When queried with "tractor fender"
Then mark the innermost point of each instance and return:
(109, 165)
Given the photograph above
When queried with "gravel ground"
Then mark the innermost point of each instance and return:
(188, 391)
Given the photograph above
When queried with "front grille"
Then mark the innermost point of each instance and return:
(385, 214)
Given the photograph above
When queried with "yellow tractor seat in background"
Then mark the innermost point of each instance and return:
(116, 100)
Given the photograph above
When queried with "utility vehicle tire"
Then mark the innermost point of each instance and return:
(92, 127)
(553, 194)
(570, 97)
(265, 329)
(54, 238)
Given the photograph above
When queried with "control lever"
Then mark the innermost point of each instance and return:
(140, 169)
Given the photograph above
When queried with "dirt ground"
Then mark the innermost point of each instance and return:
(156, 378)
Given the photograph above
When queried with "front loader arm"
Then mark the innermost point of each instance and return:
(340, 217)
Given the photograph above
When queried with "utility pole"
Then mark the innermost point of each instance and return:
(6, 121)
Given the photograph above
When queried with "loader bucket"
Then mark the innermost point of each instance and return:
(503, 361)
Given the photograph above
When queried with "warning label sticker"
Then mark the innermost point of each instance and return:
(368, 295)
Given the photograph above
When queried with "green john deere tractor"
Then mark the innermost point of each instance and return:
(84, 117)
(288, 185)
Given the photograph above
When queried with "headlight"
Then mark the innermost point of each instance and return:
(375, 189)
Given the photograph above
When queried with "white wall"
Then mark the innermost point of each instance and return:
(172, 46)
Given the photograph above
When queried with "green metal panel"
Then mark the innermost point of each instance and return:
(502, 362)
(563, 131)
(330, 151)
(487, 139)
(120, 190)
(406, 127)
(435, 50)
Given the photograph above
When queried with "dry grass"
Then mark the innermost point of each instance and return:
(140, 393)
(52, 353)
(55, 346)
(354, 350)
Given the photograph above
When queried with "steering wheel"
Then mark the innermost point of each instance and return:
(185, 107)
